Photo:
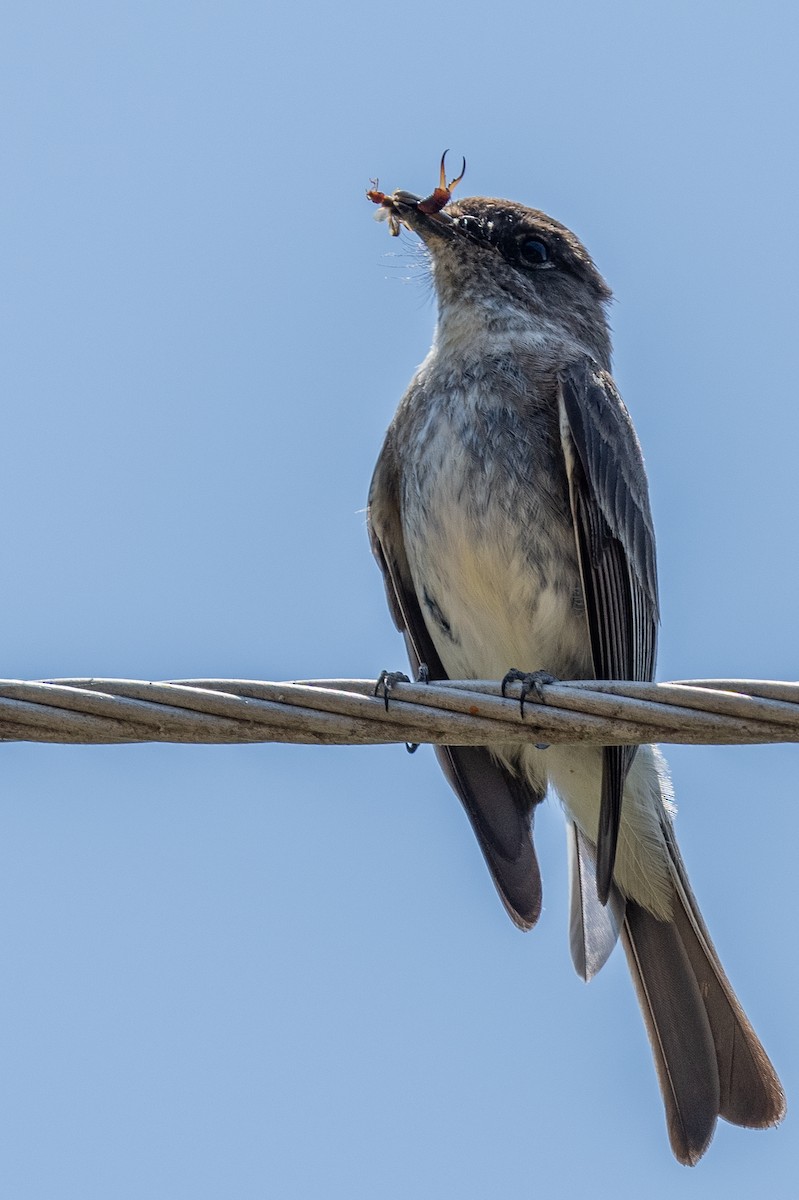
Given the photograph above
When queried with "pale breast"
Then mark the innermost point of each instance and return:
(489, 536)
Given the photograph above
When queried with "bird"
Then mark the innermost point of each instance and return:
(509, 514)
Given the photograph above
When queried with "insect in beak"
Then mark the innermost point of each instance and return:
(443, 193)
(430, 205)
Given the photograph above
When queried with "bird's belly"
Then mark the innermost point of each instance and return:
(498, 592)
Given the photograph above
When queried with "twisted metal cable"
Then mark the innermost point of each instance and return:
(347, 712)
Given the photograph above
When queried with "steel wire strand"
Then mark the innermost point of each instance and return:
(347, 712)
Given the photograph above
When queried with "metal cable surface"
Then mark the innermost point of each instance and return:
(347, 712)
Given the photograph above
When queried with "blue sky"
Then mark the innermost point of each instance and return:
(282, 971)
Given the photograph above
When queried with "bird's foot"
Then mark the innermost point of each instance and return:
(388, 680)
(533, 684)
(422, 676)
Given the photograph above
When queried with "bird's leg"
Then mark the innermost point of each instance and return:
(533, 684)
(387, 681)
(422, 676)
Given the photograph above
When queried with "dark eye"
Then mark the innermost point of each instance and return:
(533, 252)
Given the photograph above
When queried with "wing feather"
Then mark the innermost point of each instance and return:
(616, 549)
(499, 806)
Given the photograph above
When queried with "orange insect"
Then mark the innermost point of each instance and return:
(443, 193)
(430, 205)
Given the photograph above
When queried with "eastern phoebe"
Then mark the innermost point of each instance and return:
(509, 513)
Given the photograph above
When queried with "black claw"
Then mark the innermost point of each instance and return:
(386, 681)
(512, 676)
(533, 683)
(422, 676)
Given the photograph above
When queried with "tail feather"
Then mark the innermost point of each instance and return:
(709, 1060)
(679, 1030)
(751, 1093)
(593, 927)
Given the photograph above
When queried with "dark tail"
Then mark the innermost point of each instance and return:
(709, 1060)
